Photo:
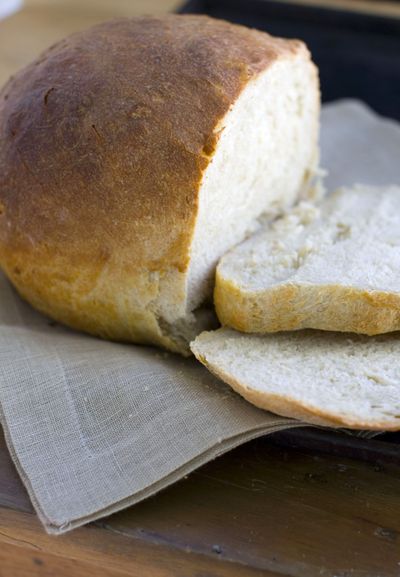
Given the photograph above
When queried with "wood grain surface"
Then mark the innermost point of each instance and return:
(259, 510)
(17, 562)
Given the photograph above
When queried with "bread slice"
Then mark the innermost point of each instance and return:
(332, 379)
(134, 154)
(336, 267)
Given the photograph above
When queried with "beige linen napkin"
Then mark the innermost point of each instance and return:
(94, 426)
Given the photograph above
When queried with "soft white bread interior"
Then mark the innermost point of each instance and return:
(324, 378)
(264, 162)
(333, 267)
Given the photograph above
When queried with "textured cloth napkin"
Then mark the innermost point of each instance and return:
(94, 426)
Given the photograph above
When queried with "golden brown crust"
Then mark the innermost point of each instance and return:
(293, 307)
(103, 143)
(292, 408)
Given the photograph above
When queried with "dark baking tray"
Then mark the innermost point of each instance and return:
(380, 450)
(358, 56)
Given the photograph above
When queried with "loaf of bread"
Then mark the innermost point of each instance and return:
(333, 267)
(325, 378)
(135, 154)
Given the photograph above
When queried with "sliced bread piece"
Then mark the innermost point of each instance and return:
(336, 267)
(323, 378)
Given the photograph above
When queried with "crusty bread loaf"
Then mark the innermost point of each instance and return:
(325, 378)
(336, 267)
(134, 154)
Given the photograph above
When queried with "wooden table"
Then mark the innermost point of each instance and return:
(264, 509)
(261, 510)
